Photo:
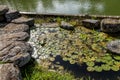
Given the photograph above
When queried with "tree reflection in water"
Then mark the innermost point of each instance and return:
(108, 7)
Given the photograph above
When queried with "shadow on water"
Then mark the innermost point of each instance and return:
(80, 71)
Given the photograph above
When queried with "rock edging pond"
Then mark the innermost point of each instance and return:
(15, 52)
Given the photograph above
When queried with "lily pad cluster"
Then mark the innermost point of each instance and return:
(81, 46)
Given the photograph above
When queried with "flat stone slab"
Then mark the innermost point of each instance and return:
(15, 52)
(3, 9)
(9, 71)
(110, 25)
(114, 46)
(90, 23)
(12, 14)
(23, 20)
(66, 26)
(14, 28)
(20, 36)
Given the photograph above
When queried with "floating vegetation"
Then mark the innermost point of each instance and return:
(80, 46)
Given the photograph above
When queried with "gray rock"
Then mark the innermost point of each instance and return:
(9, 71)
(90, 23)
(66, 26)
(12, 14)
(20, 36)
(114, 46)
(110, 25)
(3, 9)
(23, 20)
(14, 28)
(15, 52)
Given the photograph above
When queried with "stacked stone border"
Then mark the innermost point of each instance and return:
(15, 52)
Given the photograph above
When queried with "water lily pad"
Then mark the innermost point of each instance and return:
(116, 57)
(90, 64)
(105, 67)
(115, 68)
(91, 69)
(98, 69)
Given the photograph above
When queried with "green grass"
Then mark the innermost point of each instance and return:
(32, 71)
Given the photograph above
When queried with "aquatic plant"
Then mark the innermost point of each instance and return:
(81, 46)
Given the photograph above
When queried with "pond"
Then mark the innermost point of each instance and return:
(102, 7)
(82, 52)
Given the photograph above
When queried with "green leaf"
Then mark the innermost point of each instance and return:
(90, 69)
(98, 69)
(117, 57)
(72, 62)
(105, 67)
(65, 59)
(108, 57)
(90, 64)
(115, 68)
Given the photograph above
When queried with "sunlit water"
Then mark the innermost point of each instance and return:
(104, 7)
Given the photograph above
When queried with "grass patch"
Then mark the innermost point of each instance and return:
(33, 71)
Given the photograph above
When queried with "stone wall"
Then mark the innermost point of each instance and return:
(15, 52)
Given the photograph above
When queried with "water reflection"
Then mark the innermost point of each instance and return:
(108, 7)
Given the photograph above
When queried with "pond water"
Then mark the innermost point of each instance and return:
(104, 7)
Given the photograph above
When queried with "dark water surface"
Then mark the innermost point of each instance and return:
(104, 7)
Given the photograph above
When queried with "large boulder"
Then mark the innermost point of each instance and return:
(12, 14)
(15, 52)
(90, 23)
(14, 28)
(9, 71)
(114, 46)
(110, 25)
(3, 9)
(23, 20)
(20, 36)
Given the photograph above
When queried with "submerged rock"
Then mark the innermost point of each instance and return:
(66, 26)
(90, 23)
(110, 25)
(23, 20)
(9, 71)
(12, 14)
(20, 36)
(3, 9)
(16, 52)
(114, 46)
